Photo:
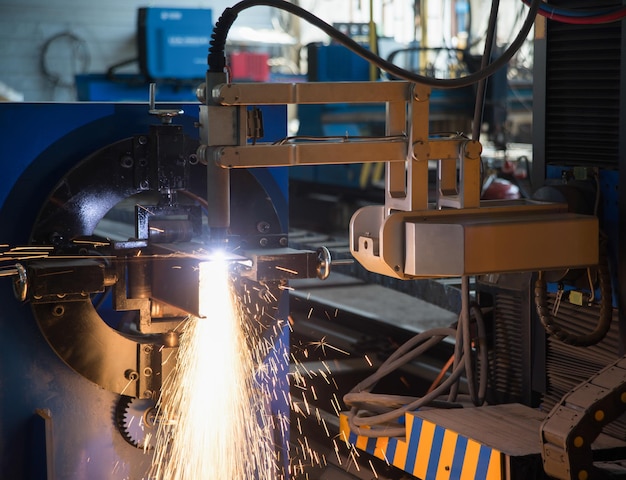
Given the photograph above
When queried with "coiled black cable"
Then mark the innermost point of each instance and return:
(606, 306)
(217, 59)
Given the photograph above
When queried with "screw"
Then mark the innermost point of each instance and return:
(127, 161)
(263, 227)
(150, 417)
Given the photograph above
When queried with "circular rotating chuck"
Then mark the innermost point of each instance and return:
(137, 421)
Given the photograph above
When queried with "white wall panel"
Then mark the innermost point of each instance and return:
(107, 26)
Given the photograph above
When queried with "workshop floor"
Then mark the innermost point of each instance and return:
(374, 301)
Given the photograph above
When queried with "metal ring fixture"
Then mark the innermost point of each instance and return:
(20, 284)
(324, 261)
(73, 327)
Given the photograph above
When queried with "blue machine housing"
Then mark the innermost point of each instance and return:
(53, 421)
(173, 42)
(97, 87)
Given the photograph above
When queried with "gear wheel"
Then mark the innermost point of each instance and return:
(136, 421)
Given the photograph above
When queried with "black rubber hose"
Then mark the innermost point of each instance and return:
(217, 58)
(481, 92)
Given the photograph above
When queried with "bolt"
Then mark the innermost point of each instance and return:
(203, 153)
(263, 242)
(150, 417)
(283, 241)
(127, 161)
(472, 150)
(147, 372)
(201, 93)
(131, 375)
(171, 339)
(263, 226)
(147, 349)
(142, 140)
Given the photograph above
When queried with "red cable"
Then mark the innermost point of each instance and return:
(594, 20)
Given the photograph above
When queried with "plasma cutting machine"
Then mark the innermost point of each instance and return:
(105, 236)
(413, 236)
(410, 237)
(79, 279)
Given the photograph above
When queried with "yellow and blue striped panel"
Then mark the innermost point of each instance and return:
(431, 452)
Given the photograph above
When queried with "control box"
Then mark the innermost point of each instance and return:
(173, 42)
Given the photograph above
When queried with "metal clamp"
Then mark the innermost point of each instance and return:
(164, 115)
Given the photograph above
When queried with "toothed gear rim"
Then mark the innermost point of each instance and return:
(136, 421)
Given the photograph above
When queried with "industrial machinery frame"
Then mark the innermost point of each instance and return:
(102, 215)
